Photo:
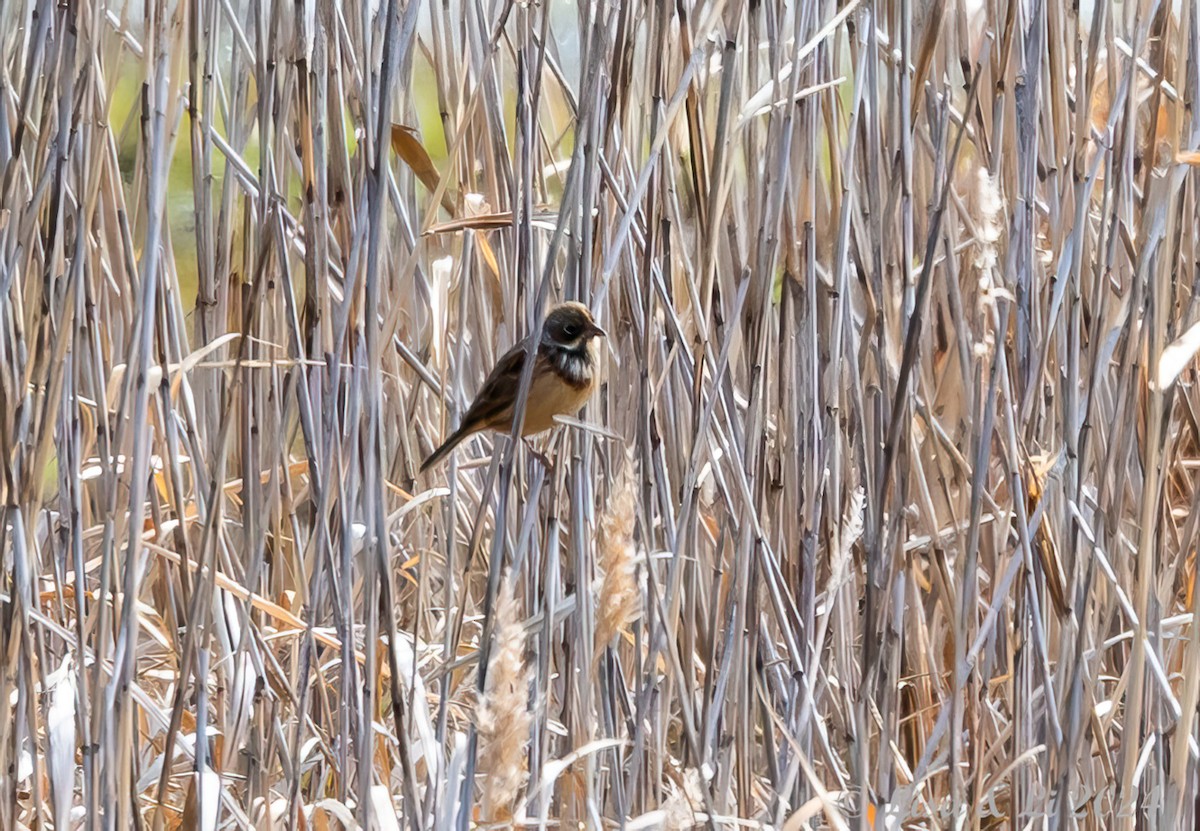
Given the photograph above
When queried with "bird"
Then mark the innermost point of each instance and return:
(564, 376)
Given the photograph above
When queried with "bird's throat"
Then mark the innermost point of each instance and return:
(574, 365)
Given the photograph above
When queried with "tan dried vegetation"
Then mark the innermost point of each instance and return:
(885, 513)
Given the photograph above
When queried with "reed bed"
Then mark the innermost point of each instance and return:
(885, 514)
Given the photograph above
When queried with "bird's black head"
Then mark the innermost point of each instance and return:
(570, 326)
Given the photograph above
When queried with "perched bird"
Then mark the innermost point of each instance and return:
(564, 375)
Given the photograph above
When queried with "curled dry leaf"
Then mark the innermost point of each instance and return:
(412, 152)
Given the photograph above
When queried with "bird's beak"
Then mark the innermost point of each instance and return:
(594, 331)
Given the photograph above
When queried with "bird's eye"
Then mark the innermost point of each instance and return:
(571, 330)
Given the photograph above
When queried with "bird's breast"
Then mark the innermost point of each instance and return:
(554, 394)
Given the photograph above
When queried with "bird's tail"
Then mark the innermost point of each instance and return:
(449, 444)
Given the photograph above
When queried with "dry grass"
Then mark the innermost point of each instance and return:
(885, 515)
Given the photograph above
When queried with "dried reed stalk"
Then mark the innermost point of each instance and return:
(805, 560)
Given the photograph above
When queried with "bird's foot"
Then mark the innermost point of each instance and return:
(540, 456)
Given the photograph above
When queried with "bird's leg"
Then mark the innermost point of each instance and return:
(540, 456)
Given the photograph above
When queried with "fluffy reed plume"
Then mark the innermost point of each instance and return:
(503, 716)
(619, 598)
(677, 811)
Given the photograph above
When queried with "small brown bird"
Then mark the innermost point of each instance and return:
(564, 375)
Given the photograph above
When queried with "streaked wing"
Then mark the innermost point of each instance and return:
(494, 402)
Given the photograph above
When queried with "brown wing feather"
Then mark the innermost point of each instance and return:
(493, 403)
